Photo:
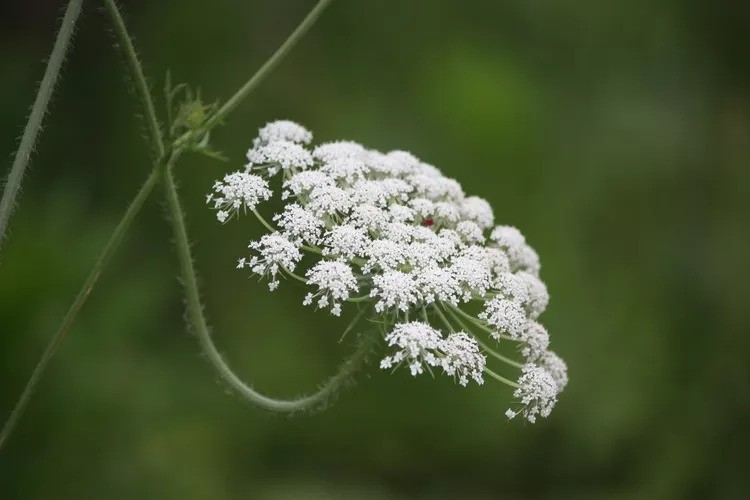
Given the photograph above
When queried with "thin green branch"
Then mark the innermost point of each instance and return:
(264, 221)
(198, 322)
(38, 110)
(443, 318)
(500, 378)
(267, 67)
(139, 79)
(353, 323)
(293, 275)
(104, 258)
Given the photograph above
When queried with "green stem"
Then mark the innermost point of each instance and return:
(38, 110)
(263, 221)
(294, 275)
(500, 378)
(353, 323)
(109, 250)
(139, 79)
(359, 299)
(424, 315)
(198, 322)
(443, 318)
(124, 225)
(268, 66)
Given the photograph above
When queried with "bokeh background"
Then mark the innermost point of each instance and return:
(616, 135)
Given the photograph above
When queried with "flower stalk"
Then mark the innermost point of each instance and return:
(36, 117)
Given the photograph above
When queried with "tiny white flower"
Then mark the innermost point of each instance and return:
(436, 188)
(395, 290)
(384, 255)
(461, 358)
(447, 212)
(238, 191)
(513, 287)
(279, 154)
(283, 130)
(507, 316)
(329, 200)
(299, 223)
(345, 240)
(369, 217)
(275, 251)
(470, 231)
(538, 296)
(522, 256)
(422, 207)
(402, 162)
(380, 192)
(535, 341)
(497, 260)
(556, 367)
(304, 182)
(537, 392)
(347, 169)
(398, 231)
(478, 210)
(417, 345)
(335, 281)
(472, 271)
(437, 284)
(339, 150)
(400, 213)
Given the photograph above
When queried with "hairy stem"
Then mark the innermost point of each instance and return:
(268, 66)
(121, 229)
(198, 323)
(139, 79)
(109, 250)
(38, 110)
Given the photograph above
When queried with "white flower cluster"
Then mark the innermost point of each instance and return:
(420, 346)
(394, 234)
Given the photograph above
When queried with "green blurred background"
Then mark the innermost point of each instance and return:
(616, 135)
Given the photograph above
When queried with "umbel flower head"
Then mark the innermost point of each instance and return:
(392, 237)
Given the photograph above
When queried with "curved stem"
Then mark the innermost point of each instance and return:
(83, 294)
(264, 221)
(500, 378)
(139, 79)
(359, 299)
(198, 322)
(353, 322)
(268, 66)
(294, 275)
(38, 110)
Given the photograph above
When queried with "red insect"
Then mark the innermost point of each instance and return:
(428, 222)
